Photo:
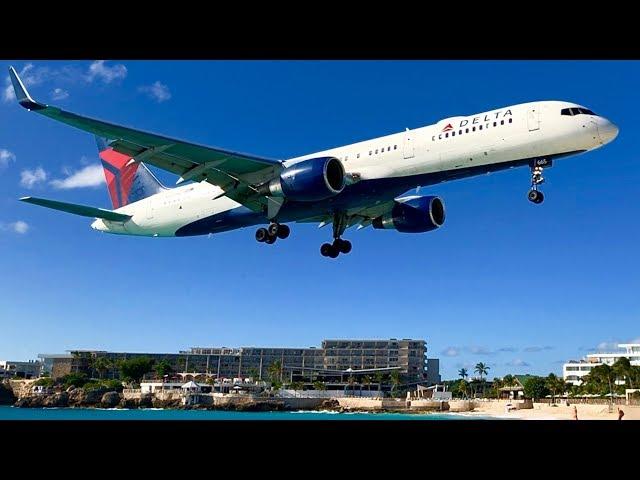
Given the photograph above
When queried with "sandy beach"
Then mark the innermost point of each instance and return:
(543, 411)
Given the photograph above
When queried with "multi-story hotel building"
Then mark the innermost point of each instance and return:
(335, 358)
(574, 370)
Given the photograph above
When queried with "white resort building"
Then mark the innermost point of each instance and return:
(574, 370)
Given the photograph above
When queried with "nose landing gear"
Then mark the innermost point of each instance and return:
(535, 195)
(270, 234)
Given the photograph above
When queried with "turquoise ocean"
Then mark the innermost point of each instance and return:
(12, 413)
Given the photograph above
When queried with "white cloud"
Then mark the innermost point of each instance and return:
(67, 74)
(19, 227)
(30, 178)
(98, 70)
(476, 350)
(6, 157)
(518, 363)
(156, 91)
(59, 94)
(537, 348)
(89, 176)
(451, 352)
(607, 346)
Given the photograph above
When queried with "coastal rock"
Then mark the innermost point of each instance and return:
(144, 402)
(110, 399)
(330, 404)
(171, 403)
(55, 400)
(81, 398)
(6, 395)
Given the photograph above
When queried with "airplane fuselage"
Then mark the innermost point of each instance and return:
(382, 168)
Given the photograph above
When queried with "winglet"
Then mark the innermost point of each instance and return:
(22, 95)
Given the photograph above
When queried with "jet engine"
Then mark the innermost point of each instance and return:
(413, 215)
(308, 180)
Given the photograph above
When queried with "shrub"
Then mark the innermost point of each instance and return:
(74, 379)
(45, 382)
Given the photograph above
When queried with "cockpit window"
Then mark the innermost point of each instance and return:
(577, 111)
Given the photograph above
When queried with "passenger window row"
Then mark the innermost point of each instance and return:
(373, 152)
(469, 130)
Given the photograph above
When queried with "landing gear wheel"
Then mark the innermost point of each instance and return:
(270, 239)
(327, 250)
(535, 196)
(343, 246)
(273, 229)
(283, 231)
(262, 235)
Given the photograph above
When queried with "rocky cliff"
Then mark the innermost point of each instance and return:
(6, 395)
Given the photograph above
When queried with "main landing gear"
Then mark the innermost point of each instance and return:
(535, 195)
(274, 231)
(332, 250)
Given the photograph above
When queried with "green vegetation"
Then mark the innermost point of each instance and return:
(482, 370)
(133, 370)
(395, 380)
(73, 380)
(163, 368)
(536, 387)
(274, 374)
(101, 365)
(555, 385)
(463, 373)
(319, 385)
(45, 382)
(603, 379)
(462, 387)
(112, 385)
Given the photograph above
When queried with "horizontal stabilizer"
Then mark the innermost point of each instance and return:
(82, 210)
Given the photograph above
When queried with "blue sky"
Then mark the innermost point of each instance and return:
(518, 286)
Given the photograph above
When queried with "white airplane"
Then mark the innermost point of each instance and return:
(360, 184)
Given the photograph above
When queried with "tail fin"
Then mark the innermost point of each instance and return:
(127, 181)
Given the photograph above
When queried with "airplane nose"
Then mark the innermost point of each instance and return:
(608, 131)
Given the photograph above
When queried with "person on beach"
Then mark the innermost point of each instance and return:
(620, 414)
(575, 412)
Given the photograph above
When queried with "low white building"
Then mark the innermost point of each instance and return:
(574, 370)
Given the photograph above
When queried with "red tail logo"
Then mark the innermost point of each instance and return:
(447, 128)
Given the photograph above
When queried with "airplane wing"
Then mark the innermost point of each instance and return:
(236, 173)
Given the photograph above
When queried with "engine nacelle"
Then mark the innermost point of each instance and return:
(413, 215)
(309, 180)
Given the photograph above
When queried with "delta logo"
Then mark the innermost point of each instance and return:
(447, 128)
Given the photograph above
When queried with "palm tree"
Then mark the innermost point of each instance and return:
(395, 379)
(275, 372)
(463, 373)
(623, 370)
(379, 377)
(482, 369)
(604, 374)
(101, 365)
(351, 380)
(367, 381)
(319, 385)
(553, 383)
(497, 384)
(508, 381)
(462, 388)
